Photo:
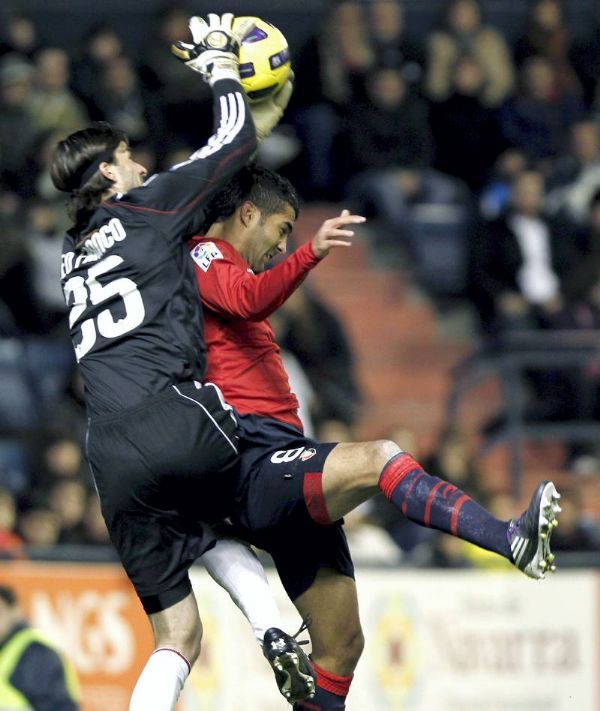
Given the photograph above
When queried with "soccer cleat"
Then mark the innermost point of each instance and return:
(293, 671)
(529, 535)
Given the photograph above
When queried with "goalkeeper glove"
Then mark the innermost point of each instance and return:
(267, 113)
(214, 53)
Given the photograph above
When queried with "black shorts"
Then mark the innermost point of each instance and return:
(161, 468)
(280, 507)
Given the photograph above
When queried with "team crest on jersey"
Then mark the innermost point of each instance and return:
(204, 253)
(307, 454)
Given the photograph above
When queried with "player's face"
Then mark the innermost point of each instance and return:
(127, 174)
(269, 238)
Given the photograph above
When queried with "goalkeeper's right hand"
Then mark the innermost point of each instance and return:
(267, 114)
(214, 53)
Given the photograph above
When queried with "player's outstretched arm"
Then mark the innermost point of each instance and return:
(334, 233)
(175, 199)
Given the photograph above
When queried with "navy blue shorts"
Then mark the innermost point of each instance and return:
(280, 506)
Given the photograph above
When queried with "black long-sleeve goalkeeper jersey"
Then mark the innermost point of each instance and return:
(134, 312)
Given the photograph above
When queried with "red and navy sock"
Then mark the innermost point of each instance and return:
(331, 692)
(433, 502)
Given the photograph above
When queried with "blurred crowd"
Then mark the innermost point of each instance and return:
(476, 158)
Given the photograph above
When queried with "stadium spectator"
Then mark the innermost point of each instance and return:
(17, 132)
(19, 314)
(44, 230)
(100, 44)
(39, 527)
(391, 45)
(185, 105)
(465, 107)
(325, 355)
(520, 260)
(538, 118)
(548, 35)
(334, 64)
(585, 56)
(122, 101)
(53, 107)
(389, 129)
(67, 498)
(34, 674)
(463, 32)
(390, 152)
(495, 196)
(20, 35)
(576, 175)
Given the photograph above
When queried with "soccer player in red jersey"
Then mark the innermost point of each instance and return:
(293, 491)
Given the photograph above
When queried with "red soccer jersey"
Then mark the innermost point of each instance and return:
(243, 357)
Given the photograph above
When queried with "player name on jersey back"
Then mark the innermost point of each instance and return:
(94, 247)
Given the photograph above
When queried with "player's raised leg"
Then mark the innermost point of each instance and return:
(355, 472)
(330, 609)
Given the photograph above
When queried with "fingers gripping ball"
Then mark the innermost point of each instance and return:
(264, 59)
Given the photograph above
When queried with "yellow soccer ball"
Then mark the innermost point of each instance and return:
(264, 59)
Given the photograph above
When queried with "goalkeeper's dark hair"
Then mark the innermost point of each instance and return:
(75, 163)
(268, 190)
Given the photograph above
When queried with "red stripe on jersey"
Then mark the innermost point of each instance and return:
(313, 497)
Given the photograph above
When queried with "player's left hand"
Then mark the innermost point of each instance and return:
(267, 114)
(332, 233)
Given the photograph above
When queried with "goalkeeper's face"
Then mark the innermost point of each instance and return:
(267, 237)
(125, 173)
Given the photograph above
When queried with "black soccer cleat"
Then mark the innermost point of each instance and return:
(529, 535)
(294, 674)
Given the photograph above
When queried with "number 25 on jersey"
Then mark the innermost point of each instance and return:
(80, 292)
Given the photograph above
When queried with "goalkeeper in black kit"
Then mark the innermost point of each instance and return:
(161, 445)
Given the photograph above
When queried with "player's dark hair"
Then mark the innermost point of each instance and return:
(8, 595)
(268, 190)
(75, 163)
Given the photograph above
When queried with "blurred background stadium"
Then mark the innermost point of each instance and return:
(464, 323)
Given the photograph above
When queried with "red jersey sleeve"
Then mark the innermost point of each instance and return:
(229, 288)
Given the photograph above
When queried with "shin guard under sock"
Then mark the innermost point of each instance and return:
(432, 502)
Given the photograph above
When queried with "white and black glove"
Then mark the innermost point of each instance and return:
(214, 53)
(267, 114)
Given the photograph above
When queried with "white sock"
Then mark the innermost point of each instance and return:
(236, 568)
(161, 681)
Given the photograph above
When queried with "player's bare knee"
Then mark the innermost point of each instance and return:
(354, 645)
(341, 655)
(382, 450)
